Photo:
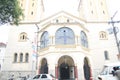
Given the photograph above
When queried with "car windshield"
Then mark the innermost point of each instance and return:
(104, 71)
(36, 77)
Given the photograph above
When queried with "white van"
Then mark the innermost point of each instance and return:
(108, 72)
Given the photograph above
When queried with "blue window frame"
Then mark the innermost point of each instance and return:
(26, 57)
(15, 57)
(64, 35)
(44, 39)
(84, 41)
(21, 57)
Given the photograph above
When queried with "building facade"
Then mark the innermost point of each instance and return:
(67, 45)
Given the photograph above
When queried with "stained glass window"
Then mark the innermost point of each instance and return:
(84, 41)
(64, 36)
(44, 39)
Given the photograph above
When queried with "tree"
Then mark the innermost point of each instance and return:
(10, 11)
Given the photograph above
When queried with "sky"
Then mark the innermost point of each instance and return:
(58, 5)
(113, 6)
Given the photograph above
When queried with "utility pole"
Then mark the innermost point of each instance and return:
(115, 33)
(37, 46)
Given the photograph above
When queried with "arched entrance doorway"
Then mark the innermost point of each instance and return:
(66, 68)
(87, 70)
(44, 66)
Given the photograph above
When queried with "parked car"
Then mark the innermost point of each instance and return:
(108, 71)
(43, 77)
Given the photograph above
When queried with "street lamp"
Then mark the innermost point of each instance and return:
(115, 33)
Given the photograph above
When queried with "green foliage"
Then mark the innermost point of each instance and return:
(10, 11)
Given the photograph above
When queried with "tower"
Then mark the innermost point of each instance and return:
(93, 10)
(33, 10)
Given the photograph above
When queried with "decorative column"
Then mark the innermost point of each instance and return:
(56, 71)
(76, 72)
(38, 69)
(91, 78)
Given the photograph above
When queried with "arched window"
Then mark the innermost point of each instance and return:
(21, 57)
(23, 36)
(106, 55)
(102, 35)
(15, 57)
(64, 35)
(84, 40)
(26, 57)
(44, 39)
